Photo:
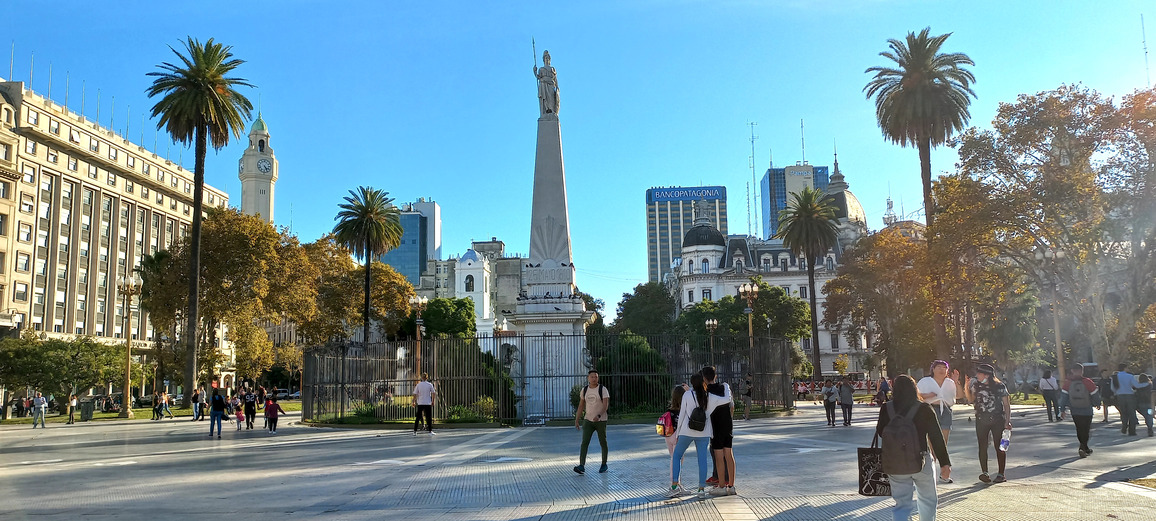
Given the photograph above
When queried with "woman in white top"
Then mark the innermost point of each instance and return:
(939, 391)
(694, 398)
(1049, 387)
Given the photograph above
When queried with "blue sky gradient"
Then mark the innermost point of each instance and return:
(437, 99)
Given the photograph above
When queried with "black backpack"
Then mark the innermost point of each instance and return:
(697, 419)
(902, 452)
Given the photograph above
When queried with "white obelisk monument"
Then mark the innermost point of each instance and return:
(550, 314)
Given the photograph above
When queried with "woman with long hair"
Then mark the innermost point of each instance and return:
(696, 397)
(992, 417)
(1050, 388)
(939, 391)
(830, 400)
(905, 396)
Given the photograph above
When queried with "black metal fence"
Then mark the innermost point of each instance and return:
(516, 379)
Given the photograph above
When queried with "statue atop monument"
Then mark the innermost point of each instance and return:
(547, 85)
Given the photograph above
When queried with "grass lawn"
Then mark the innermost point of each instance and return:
(1146, 482)
(139, 413)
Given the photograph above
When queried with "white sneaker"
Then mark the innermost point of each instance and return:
(719, 491)
(675, 491)
(731, 491)
(702, 494)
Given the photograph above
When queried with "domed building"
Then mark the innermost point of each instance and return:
(714, 265)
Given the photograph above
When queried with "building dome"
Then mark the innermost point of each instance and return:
(259, 125)
(470, 256)
(703, 235)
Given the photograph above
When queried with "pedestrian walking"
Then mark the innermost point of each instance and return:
(748, 388)
(249, 399)
(217, 407)
(847, 399)
(830, 400)
(884, 388)
(911, 420)
(156, 406)
(1144, 400)
(165, 402)
(39, 409)
(1124, 386)
(722, 437)
(424, 394)
(262, 396)
(938, 391)
(196, 404)
(1107, 394)
(237, 409)
(72, 409)
(992, 417)
(272, 408)
(20, 409)
(1049, 387)
(593, 404)
(673, 411)
(1080, 394)
(694, 426)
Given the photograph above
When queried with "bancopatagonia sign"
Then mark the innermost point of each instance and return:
(686, 194)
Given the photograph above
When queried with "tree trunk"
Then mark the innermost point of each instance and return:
(191, 337)
(365, 309)
(942, 349)
(817, 361)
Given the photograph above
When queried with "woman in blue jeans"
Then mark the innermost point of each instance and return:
(217, 411)
(904, 397)
(690, 401)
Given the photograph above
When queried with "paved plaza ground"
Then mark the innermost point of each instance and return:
(791, 468)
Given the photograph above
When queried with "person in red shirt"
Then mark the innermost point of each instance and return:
(1080, 394)
(271, 410)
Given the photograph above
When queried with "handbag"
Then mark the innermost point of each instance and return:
(872, 480)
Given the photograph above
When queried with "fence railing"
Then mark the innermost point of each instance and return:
(516, 379)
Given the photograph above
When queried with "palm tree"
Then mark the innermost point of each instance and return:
(200, 104)
(368, 225)
(809, 228)
(922, 102)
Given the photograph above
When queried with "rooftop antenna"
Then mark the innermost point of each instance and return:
(31, 70)
(49, 80)
(97, 106)
(770, 158)
(142, 127)
(66, 88)
(127, 121)
(82, 82)
(111, 117)
(753, 197)
(12, 60)
(1144, 40)
(803, 140)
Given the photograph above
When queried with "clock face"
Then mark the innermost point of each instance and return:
(264, 165)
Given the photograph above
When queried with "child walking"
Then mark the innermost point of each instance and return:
(271, 410)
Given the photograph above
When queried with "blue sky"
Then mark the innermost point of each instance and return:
(437, 99)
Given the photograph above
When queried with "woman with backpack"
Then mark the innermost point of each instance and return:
(905, 425)
(673, 411)
(694, 427)
(830, 400)
(1080, 394)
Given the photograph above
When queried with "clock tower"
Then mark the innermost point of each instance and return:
(258, 173)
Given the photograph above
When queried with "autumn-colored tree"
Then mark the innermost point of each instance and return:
(337, 291)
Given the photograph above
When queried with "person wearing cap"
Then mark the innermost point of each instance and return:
(992, 416)
(938, 391)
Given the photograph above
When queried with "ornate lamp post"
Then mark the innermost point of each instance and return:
(129, 288)
(1049, 257)
(418, 304)
(1152, 340)
(711, 325)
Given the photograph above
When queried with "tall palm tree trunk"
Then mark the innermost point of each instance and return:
(942, 349)
(817, 361)
(365, 309)
(191, 320)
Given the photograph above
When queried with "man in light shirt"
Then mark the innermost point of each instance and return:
(593, 401)
(938, 390)
(1124, 384)
(423, 398)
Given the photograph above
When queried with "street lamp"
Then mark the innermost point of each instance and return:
(1050, 257)
(750, 291)
(1152, 340)
(418, 304)
(129, 288)
(711, 325)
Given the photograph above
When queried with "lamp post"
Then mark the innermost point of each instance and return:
(1152, 340)
(1050, 257)
(418, 304)
(711, 325)
(750, 291)
(129, 288)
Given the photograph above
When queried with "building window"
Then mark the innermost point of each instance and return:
(834, 342)
(783, 265)
(131, 162)
(690, 295)
(469, 283)
(112, 152)
(705, 266)
(806, 343)
(802, 291)
(690, 266)
(174, 182)
(5, 190)
(145, 169)
(21, 293)
(24, 233)
(160, 198)
(93, 144)
(54, 126)
(7, 116)
(33, 117)
(5, 152)
(830, 264)
(27, 203)
(188, 187)
(128, 186)
(766, 264)
(111, 179)
(802, 264)
(144, 192)
(74, 136)
(706, 295)
(30, 146)
(53, 156)
(160, 175)
(786, 290)
(73, 164)
(3, 225)
(23, 261)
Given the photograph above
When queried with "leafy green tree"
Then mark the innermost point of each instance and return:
(636, 373)
(921, 101)
(648, 310)
(59, 367)
(809, 228)
(199, 104)
(369, 225)
(445, 317)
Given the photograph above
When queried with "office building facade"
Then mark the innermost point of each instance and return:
(420, 240)
(777, 185)
(670, 213)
